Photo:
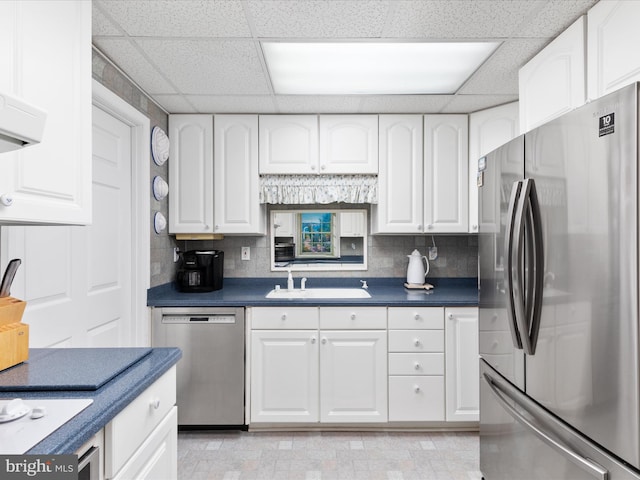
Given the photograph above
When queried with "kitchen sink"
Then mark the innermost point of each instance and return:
(319, 293)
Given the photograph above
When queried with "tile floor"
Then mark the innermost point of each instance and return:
(327, 456)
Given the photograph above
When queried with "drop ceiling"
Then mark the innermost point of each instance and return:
(204, 56)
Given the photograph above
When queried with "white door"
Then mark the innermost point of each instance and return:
(76, 280)
(461, 364)
(288, 144)
(349, 144)
(353, 376)
(284, 376)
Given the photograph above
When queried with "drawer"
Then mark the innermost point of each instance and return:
(493, 320)
(416, 318)
(130, 428)
(293, 318)
(416, 399)
(341, 318)
(416, 341)
(416, 364)
(495, 343)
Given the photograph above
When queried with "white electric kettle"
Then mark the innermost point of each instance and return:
(416, 273)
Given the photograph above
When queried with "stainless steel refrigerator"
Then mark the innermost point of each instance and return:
(558, 277)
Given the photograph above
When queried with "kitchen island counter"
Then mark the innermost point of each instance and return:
(108, 400)
(251, 292)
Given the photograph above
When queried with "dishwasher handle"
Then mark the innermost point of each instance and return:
(216, 319)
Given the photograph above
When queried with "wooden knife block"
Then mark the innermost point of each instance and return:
(14, 335)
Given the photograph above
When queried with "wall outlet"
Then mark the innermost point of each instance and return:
(433, 253)
(245, 253)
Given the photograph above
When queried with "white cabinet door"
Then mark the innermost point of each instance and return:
(416, 398)
(284, 376)
(284, 224)
(237, 208)
(400, 180)
(553, 82)
(613, 36)
(353, 224)
(191, 174)
(461, 364)
(45, 59)
(446, 166)
(488, 129)
(353, 376)
(348, 144)
(288, 144)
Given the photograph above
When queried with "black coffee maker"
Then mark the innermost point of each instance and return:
(201, 271)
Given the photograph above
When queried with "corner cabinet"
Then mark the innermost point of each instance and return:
(237, 208)
(45, 54)
(191, 174)
(214, 192)
(462, 364)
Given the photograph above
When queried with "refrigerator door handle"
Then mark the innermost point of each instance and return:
(586, 464)
(509, 271)
(536, 267)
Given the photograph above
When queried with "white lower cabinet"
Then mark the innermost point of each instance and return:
(141, 441)
(314, 375)
(462, 365)
(416, 364)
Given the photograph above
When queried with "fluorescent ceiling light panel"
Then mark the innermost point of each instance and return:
(372, 68)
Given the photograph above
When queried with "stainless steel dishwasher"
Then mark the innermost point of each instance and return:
(210, 375)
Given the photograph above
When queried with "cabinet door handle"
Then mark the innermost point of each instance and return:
(451, 317)
(419, 227)
(284, 316)
(416, 342)
(353, 316)
(430, 227)
(155, 403)
(323, 167)
(416, 388)
(416, 365)
(313, 167)
(6, 199)
(313, 340)
(417, 316)
(324, 341)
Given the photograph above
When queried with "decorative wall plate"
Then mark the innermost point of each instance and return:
(159, 146)
(159, 222)
(160, 188)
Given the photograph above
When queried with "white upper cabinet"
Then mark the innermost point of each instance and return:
(353, 224)
(400, 179)
(288, 144)
(237, 208)
(488, 129)
(349, 144)
(191, 174)
(612, 45)
(553, 82)
(446, 166)
(45, 59)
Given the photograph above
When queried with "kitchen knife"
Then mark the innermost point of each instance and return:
(9, 274)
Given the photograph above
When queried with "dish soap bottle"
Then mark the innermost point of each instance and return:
(289, 281)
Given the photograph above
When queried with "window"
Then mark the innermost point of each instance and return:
(317, 234)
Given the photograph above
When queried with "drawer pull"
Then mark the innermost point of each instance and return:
(451, 316)
(494, 345)
(155, 403)
(313, 340)
(416, 365)
(284, 316)
(416, 342)
(417, 316)
(416, 388)
(353, 316)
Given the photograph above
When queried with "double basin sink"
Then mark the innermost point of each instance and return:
(313, 293)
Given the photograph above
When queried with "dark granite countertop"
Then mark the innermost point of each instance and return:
(250, 292)
(108, 400)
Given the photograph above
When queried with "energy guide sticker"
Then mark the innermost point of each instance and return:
(606, 124)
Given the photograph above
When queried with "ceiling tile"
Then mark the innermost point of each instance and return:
(233, 103)
(473, 103)
(319, 18)
(499, 74)
(184, 18)
(318, 104)
(404, 103)
(208, 66)
(441, 19)
(554, 18)
(129, 59)
(101, 25)
(175, 103)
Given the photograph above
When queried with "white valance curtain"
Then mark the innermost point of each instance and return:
(318, 189)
